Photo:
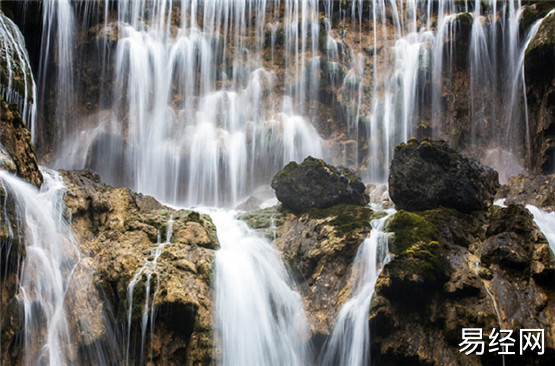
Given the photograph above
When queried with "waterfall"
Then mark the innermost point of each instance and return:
(259, 319)
(17, 84)
(208, 99)
(47, 287)
(58, 28)
(146, 271)
(192, 100)
(349, 343)
(51, 257)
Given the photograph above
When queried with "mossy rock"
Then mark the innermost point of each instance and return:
(410, 228)
(418, 270)
(316, 184)
(345, 217)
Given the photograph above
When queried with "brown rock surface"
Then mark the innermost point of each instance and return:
(16, 140)
(117, 231)
(500, 276)
(536, 190)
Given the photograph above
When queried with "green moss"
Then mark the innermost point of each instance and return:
(345, 217)
(410, 228)
(423, 260)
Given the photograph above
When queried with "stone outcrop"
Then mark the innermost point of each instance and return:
(536, 190)
(430, 174)
(454, 270)
(315, 184)
(117, 231)
(16, 152)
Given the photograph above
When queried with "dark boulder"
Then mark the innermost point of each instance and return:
(315, 184)
(429, 174)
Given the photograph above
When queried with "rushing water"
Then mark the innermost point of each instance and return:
(349, 343)
(50, 259)
(546, 222)
(259, 318)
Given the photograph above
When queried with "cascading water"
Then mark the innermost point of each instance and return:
(349, 343)
(259, 319)
(145, 273)
(546, 222)
(193, 100)
(51, 257)
(47, 287)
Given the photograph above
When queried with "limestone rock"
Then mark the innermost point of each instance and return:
(535, 190)
(498, 275)
(117, 231)
(429, 174)
(16, 141)
(318, 247)
(317, 184)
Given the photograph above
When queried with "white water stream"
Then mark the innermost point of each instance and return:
(259, 318)
(349, 343)
(50, 259)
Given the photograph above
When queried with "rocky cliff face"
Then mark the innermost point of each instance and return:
(453, 271)
(540, 78)
(118, 231)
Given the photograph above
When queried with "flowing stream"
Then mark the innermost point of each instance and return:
(50, 260)
(349, 343)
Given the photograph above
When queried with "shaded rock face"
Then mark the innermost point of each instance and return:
(457, 270)
(540, 91)
(15, 139)
(429, 174)
(117, 231)
(537, 190)
(317, 184)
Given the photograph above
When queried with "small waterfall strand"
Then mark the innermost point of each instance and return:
(349, 343)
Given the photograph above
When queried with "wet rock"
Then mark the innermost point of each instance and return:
(315, 184)
(117, 230)
(319, 247)
(499, 274)
(16, 141)
(535, 190)
(430, 174)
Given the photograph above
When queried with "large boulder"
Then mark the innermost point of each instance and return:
(317, 184)
(429, 174)
(117, 231)
(454, 270)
